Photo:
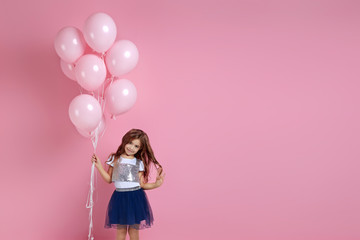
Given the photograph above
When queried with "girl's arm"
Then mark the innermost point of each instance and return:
(149, 186)
(107, 176)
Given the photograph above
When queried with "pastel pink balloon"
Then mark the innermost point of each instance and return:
(122, 57)
(85, 112)
(68, 69)
(90, 72)
(69, 44)
(120, 97)
(84, 133)
(101, 129)
(100, 32)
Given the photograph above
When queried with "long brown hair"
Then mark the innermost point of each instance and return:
(145, 152)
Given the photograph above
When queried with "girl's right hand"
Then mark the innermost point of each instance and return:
(159, 178)
(96, 160)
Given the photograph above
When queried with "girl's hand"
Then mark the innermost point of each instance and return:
(160, 178)
(97, 161)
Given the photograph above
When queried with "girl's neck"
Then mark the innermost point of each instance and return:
(124, 155)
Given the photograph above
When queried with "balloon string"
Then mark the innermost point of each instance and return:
(103, 54)
(98, 96)
(90, 201)
(103, 89)
(95, 138)
(103, 105)
(112, 80)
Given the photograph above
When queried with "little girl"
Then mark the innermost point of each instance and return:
(129, 209)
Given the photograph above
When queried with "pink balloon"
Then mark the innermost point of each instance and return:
(84, 133)
(101, 129)
(68, 69)
(100, 32)
(90, 72)
(85, 112)
(120, 97)
(69, 44)
(122, 57)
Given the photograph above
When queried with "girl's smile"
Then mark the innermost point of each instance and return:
(130, 150)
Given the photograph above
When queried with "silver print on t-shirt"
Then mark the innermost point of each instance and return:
(125, 172)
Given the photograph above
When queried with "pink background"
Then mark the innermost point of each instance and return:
(252, 108)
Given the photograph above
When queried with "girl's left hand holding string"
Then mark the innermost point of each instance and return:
(160, 178)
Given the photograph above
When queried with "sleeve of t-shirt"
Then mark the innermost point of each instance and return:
(141, 166)
(110, 161)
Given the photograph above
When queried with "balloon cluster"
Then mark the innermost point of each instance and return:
(97, 72)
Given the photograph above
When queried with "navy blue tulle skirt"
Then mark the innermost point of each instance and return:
(129, 209)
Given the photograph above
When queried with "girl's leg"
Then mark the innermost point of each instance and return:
(121, 233)
(134, 234)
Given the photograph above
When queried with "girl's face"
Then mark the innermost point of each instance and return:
(132, 147)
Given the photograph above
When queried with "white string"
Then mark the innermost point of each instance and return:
(102, 97)
(94, 138)
(103, 105)
(98, 96)
(90, 201)
(103, 89)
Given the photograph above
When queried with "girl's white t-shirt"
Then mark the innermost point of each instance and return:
(119, 184)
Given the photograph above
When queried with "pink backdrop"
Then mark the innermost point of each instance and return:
(252, 108)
